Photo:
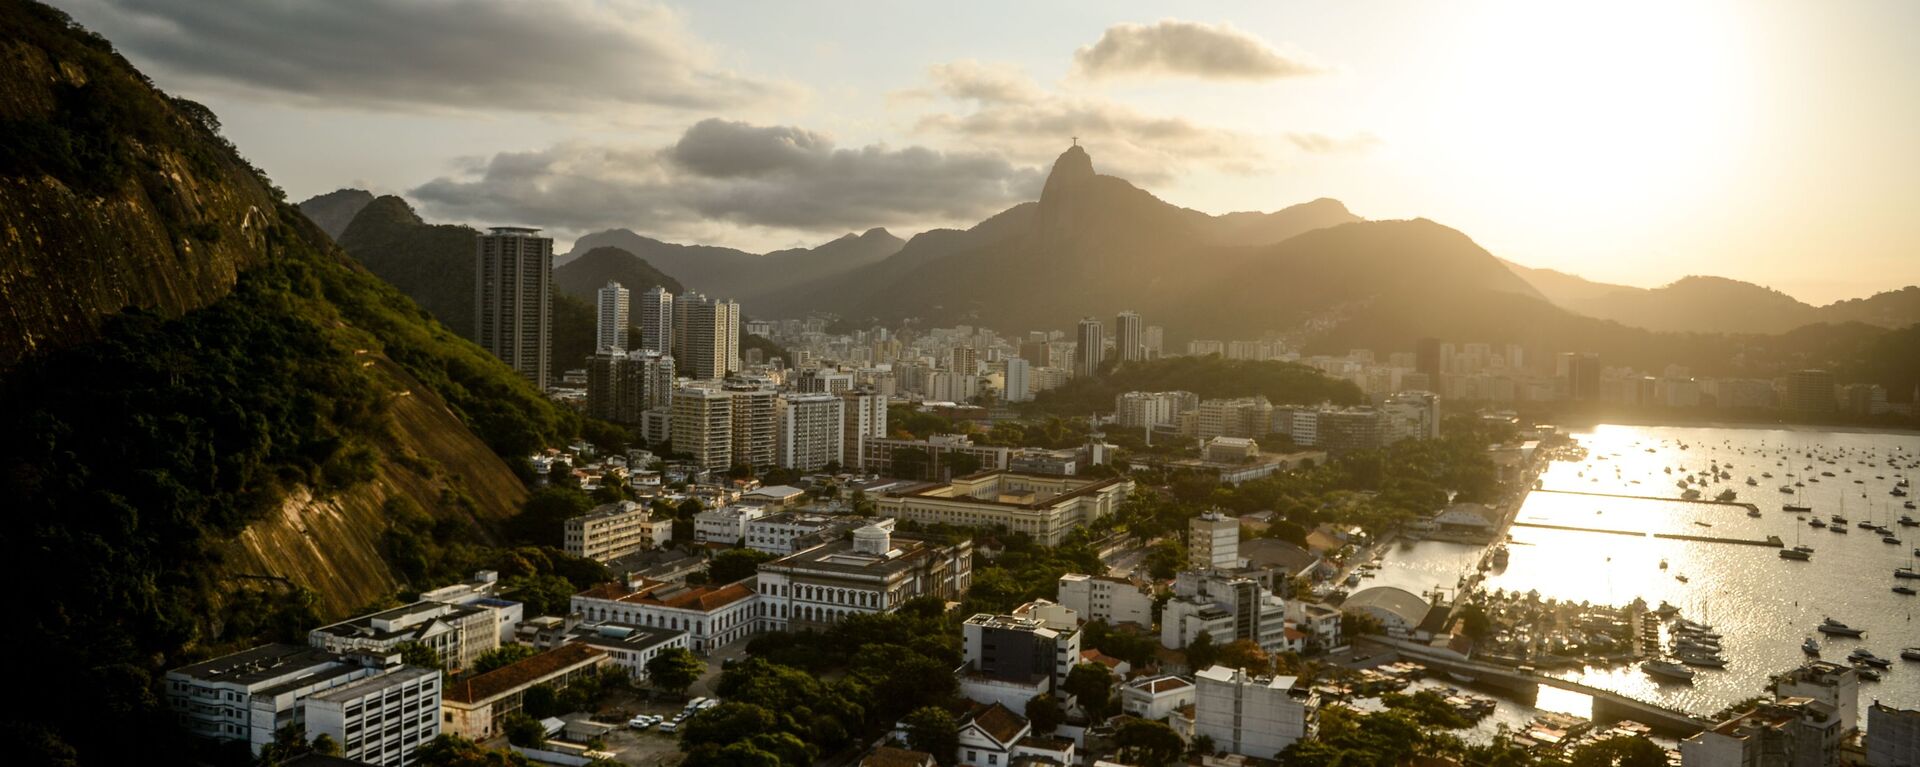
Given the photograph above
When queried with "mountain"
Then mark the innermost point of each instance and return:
(334, 210)
(737, 274)
(431, 263)
(216, 429)
(584, 276)
(1715, 304)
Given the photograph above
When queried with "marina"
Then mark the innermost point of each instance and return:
(1589, 534)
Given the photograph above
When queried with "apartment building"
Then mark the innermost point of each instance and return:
(863, 418)
(1250, 417)
(1107, 599)
(756, 424)
(1213, 541)
(1226, 607)
(1033, 643)
(726, 525)
(1250, 715)
(1788, 732)
(1044, 507)
(789, 532)
(380, 719)
(249, 695)
(615, 530)
(513, 299)
(702, 426)
(811, 427)
(1141, 409)
(1893, 736)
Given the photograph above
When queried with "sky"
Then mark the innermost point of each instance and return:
(1772, 141)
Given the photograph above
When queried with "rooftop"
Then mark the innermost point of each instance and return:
(362, 688)
(840, 557)
(259, 664)
(675, 595)
(1402, 603)
(998, 722)
(521, 673)
(623, 636)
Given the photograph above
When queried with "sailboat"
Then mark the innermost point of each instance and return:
(1798, 553)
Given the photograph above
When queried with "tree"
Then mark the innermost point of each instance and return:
(1201, 654)
(417, 654)
(1244, 654)
(325, 745)
(288, 742)
(456, 751)
(1620, 751)
(734, 564)
(1045, 713)
(862, 505)
(1092, 685)
(524, 731)
(1202, 745)
(541, 701)
(674, 670)
(1165, 559)
(932, 730)
(726, 723)
(1474, 622)
(1148, 743)
(504, 655)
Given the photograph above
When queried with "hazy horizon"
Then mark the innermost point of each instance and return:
(1636, 144)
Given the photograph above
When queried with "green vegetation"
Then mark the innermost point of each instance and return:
(1210, 377)
(1428, 707)
(1091, 685)
(734, 564)
(932, 730)
(674, 670)
(1148, 743)
(502, 656)
(456, 751)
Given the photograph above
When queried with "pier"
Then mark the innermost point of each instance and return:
(1707, 501)
(1607, 705)
(1769, 542)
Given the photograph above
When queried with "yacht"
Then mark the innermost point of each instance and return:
(1890, 539)
(1911, 653)
(1841, 529)
(1795, 508)
(1668, 670)
(1836, 628)
(1866, 656)
(1907, 520)
(1817, 522)
(1866, 674)
(1907, 590)
(1796, 554)
(1810, 647)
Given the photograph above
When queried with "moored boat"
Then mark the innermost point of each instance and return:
(1667, 670)
(1836, 628)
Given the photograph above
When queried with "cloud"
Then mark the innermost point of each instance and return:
(776, 177)
(1185, 49)
(1321, 143)
(424, 55)
(1003, 108)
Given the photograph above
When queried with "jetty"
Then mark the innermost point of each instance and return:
(1707, 501)
(1772, 541)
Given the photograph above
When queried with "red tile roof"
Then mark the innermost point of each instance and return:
(521, 673)
(999, 722)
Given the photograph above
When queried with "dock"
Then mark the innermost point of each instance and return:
(1770, 542)
(1707, 501)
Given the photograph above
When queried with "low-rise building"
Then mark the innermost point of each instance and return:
(712, 616)
(792, 531)
(1399, 611)
(989, 734)
(626, 645)
(1893, 736)
(381, 719)
(1034, 642)
(1046, 508)
(1790, 732)
(933, 457)
(249, 695)
(458, 634)
(1252, 716)
(475, 708)
(874, 572)
(727, 525)
(1107, 599)
(615, 530)
(1830, 683)
(1155, 697)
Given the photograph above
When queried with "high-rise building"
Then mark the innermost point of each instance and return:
(1155, 339)
(964, 360)
(610, 330)
(703, 425)
(1019, 380)
(1213, 542)
(1426, 357)
(756, 424)
(1250, 417)
(1810, 391)
(1092, 348)
(864, 417)
(622, 385)
(1129, 343)
(811, 427)
(656, 320)
(1583, 375)
(706, 334)
(513, 299)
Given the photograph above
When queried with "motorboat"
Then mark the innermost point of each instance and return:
(1890, 539)
(1903, 589)
(1702, 660)
(1867, 674)
(1810, 647)
(1817, 522)
(1753, 512)
(1910, 653)
(1796, 554)
(1833, 627)
(1841, 529)
(1668, 670)
(1866, 656)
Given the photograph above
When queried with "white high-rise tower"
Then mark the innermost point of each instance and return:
(611, 330)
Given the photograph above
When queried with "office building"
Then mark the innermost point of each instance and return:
(1019, 380)
(1046, 508)
(1091, 348)
(874, 571)
(615, 530)
(610, 328)
(1810, 391)
(1103, 598)
(1213, 541)
(1029, 646)
(1129, 343)
(656, 320)
(1250, 715)
(863, 418)
(1893, 736)
(706, 334)
(381, 719)
(513, 299)
(702, 426)
(756, 424)
(811, 427)
(248, 696)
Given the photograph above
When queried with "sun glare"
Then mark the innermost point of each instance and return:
(1609, 109)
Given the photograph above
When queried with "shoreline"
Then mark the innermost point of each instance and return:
(1797, 427)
